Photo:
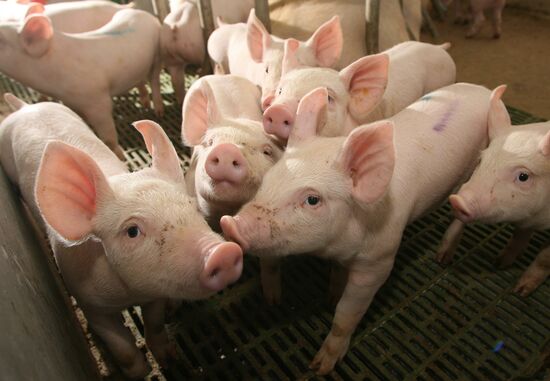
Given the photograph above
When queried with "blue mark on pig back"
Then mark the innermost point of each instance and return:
(426, 97)
(119, 32)
(444, 120)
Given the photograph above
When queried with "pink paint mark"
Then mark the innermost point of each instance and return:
(444, 120)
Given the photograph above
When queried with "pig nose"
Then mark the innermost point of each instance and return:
(231, 231)
(278, 121)
(461, 208)
(223, 267)
(226, 163)
(266, 101)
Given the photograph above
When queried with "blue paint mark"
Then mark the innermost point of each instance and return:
(442, 123)
(120, 32)
(498, 346)
(426, 97)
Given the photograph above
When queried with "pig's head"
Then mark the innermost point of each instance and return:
(230, 156)
(322, 49)
(181, 36)
(352, 93)
(29, 39)
(512, 179)
(153, 235)
(314, 198)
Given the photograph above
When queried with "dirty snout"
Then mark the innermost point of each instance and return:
(226, 163)
(223, 266)
(466, 206)
(251, 232)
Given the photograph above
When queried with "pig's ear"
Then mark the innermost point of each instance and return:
(69, 187)
(199, 111)
(327, 42)
(34, 8)
(544, 145)
(35, 34)
(368, 158)
(257, 37)
(161, 149)
(290, 59)
(498, 118)
(310, 115)
(14, 102)
(366, 81)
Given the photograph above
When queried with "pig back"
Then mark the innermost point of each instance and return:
(438, 140)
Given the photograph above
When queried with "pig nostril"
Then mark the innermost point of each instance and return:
(216, 160)
(270, 120)
(214, 272)
(235, 163)
(287, 123)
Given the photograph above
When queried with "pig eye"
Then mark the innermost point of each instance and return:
(267, 151)
(267, 69)
(523, 177)
(330, 99)
(312, 200)
(133, 231)
(280, 91)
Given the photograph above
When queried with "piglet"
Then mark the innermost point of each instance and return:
(221, 120)
(250, 51)
(510, 184)
(119, 238)
(182, 37)
(371, 88)
(352, 202)
(84, 70)
(477, 9)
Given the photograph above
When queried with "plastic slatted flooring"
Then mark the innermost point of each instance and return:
(428, 322)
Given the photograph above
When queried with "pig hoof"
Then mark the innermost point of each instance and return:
(333, 350)
(528, 284)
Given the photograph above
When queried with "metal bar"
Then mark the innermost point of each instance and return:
(372, 17)
(262, 12)
(207, 25)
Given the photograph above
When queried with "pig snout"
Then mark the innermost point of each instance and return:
(223, 266)
(231, 231)
(267, 100)
(463, 209)
(226, 163)
(278, 121)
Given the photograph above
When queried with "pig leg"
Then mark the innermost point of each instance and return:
(98, 114)
(154, 79)
(497, 22)
(535, 274)
(144, 96)
(155, 333)
(338, 280)
(517, 245)
(177, 74)
(121, 343)
(479, 18)
(449, 242)
(364, 280)
(270, 274)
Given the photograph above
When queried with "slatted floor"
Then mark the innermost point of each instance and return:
(428, 322)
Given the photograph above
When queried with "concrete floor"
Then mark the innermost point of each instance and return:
(520, 58)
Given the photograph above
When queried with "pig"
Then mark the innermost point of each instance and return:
(85, 70)
(477, 9)
(372, 88)
(353, 201)
(182, 41)
(119, 238)
(299, 19)
(221, 120)
(250, 51)
(510, 184)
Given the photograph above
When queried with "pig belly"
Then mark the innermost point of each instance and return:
(437, 142)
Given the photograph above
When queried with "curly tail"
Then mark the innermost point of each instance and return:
(445, 46)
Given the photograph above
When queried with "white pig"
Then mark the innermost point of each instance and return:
(84, 70)
(182, 37)
(221, 120)
(153, 244)
(477, 9)
(250, 51)
(353, 201)
(372, 88)
(510, 184)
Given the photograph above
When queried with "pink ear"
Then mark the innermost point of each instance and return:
(290, 59)
(34, 8)
(35, 34)
(498, 118)
(257, 37)
(198, 113)
(327, 42)
(69, 186)
(366, 81)
(159, 146)
(309, 116)
(368, 157)
(544, 144)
